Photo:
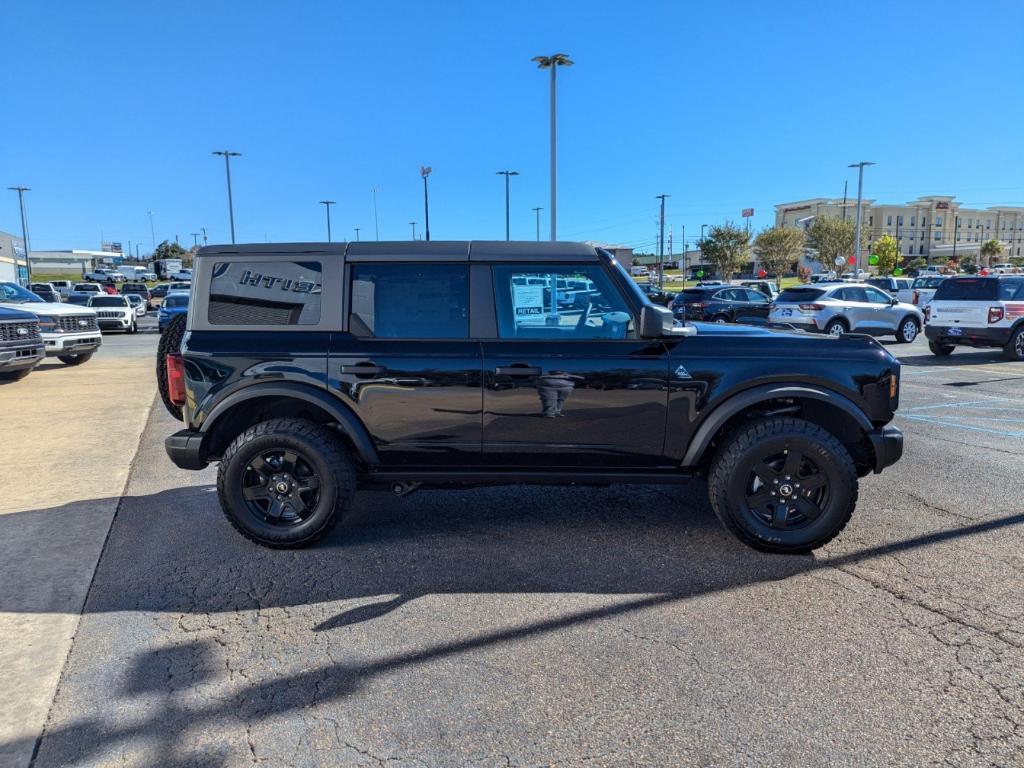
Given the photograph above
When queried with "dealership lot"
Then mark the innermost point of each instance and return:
(528, 626)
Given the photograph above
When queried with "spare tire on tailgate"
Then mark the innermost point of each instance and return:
(170, 341)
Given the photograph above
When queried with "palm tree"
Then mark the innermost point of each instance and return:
(990, 249)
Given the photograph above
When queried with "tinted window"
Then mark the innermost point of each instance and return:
(410, 301)
(968, 289)
(107, 301)
(800, 294)
(756, 296)
(851, 294)
(264, 293)
(528, 308)
(176, 300)
(1011, 290)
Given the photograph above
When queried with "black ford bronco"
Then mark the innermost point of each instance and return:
(310, 370)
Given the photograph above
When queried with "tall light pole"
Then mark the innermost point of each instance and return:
(700, 245)
(228, 154)
(507, 174)
(413, 225)
(536, 212)
(376, 230)
(152, 230)
(425, 171)
(553, 62)
(24, 229)
(137, 252)
(860, 189)
(661, 241)
(327, 205)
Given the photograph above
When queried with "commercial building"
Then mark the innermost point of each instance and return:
(13, 268)
(936, 227)
(74, 261)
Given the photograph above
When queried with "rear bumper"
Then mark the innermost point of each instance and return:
(972, 337)
(185, 449)
(888, 445)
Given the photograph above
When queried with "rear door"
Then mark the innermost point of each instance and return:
(570, 384)
(406, 366)
(755, 308)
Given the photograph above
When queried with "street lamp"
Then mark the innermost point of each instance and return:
(553, 62)
(228, 154)
(860, 188)
(536, 212)
(507, 174)
(24, 230)
(152, 230)
(425, 171)
(376, 230)
(327, 205)
(661, 242)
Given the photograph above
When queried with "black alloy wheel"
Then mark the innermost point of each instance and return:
(787, 490)
(280, 487)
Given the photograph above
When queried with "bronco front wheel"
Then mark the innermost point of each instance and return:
(783, 485)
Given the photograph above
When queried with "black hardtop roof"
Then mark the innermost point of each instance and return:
(408, 250)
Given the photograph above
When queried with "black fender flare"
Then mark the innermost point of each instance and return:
(347, 420)
(738, 402)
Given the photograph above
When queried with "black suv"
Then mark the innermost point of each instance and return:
(722, 304)
(310, 370)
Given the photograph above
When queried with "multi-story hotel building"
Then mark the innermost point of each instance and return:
(935, 226)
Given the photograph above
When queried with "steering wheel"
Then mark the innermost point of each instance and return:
(584, 316)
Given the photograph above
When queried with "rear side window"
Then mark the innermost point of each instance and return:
(1011, 290)
(410, 301)
(265, 293)
(800, 294)
(968, 289)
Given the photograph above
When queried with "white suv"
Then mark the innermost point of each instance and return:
(115, 313)
(977, 312)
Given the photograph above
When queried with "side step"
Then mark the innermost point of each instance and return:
(405, 482)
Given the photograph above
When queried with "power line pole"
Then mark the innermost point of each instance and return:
(195, 239)
(413, 225)
(536, 212)
(845, 183)
(507, 174)
(661, 241)
(357, 234)
(327, 205)
(553, 62)
(24, 231)
(227, 168)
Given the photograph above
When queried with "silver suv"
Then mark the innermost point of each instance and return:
(847, 308)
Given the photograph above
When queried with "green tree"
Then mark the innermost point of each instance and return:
(832, 237)
(778, 247)
(990, 249)
(167, 250)
(727, 247)
(888, 252)
(968, 264)
(919, 263)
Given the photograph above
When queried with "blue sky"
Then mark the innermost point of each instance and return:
(112, 109)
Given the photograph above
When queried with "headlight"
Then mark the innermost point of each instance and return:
(47, 323)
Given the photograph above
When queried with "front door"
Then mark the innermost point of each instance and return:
(567, 382)
(407, 366)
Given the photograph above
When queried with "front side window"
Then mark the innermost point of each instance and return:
(264, 293)
(410, 301)
(875, 296)
(559, 302)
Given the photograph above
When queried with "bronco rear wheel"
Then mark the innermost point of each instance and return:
(286, 482)
(783, 485)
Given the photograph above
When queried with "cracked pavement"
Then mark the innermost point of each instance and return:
(571, 626)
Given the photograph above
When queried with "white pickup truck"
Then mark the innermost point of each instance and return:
(924, 288)
(102, 274)
(70, 333)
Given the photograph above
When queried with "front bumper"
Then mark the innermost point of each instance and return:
(972, 337)
(115, 323)
(71, 343)
(185, 449)
(19, 358)
(888, 446)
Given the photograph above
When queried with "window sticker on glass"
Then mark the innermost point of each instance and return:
(528, 300)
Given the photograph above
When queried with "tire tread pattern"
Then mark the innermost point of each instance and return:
(170, 341)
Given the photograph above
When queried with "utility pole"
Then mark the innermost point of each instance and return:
(425, 171)
(327, 205)
(536, 212)
(204, 235)
(376, 229)
(661, 241)
(507, 174)
(152, 230)
(845, 183)
(413, 225)
(553, 62)
(227, 168)
(670, 243)
(24, 230)
(860, 190)
(195, 239)
(357, 234)
(956, 232)
(137, 252)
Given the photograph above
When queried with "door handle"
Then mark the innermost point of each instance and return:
(362, 369)
(519, 369)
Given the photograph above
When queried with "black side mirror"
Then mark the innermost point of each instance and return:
(893, 301)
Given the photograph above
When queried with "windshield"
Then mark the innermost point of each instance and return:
(177, 300)
(107, 301)
(968, 289)
(928, 282)
(12, 293)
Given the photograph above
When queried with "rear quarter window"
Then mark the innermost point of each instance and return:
(268, 293)
(797, 295)
(968, 289)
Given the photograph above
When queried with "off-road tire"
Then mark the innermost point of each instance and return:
(170, 341)
(1014, 349)
(901, 337)
(75, 359)
(331, 460)
(941, 350)
(840, 322)
(745, 447)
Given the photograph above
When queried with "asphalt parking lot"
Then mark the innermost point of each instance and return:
(569, 626)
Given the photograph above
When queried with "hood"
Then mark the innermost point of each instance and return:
(848, 341)
(48, 308)
(9, 313)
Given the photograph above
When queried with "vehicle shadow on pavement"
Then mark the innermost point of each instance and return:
(172, 553)
(956, 360)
